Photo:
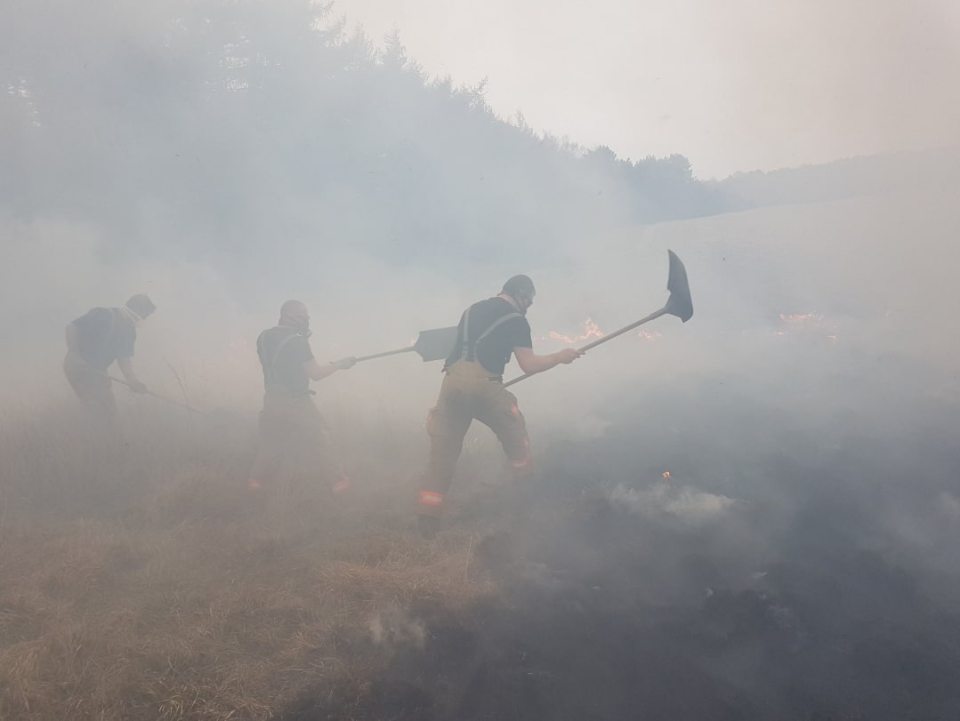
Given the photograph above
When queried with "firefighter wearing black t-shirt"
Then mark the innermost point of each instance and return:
(94, 341)
(292, 431)
(489, 333)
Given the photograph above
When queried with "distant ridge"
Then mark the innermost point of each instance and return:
(840, 179)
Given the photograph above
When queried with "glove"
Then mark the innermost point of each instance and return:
(345, 363)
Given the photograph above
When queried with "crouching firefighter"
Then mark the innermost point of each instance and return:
(94, 341)
(293, 436)
(489, 332)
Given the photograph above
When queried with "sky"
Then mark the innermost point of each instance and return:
(735, 86)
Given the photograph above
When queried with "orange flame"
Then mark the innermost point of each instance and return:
(807, 323)
(801, 317)
(590, 330)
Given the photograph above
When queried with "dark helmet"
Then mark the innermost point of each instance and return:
(294, 313)
(141, 305)
(520, 286)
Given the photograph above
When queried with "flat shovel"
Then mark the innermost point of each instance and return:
(431, 345)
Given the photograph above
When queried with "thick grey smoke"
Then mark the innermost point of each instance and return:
(797, 433)
(133, 173)
(734, 86)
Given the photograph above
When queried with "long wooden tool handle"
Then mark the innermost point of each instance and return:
(599, 341)
(160, 398)
(386, 353)
(625, 329)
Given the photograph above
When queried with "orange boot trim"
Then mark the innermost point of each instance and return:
(431, 498)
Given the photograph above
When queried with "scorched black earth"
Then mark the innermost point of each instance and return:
(795, 601)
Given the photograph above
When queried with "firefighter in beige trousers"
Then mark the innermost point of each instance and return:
(293, 436)
(490, 331)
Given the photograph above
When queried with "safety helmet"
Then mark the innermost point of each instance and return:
(520, 286)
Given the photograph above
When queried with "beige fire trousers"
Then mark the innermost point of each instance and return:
(294, 444)
(92, 387)
(469, 392)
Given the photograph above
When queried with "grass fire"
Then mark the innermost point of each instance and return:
(338, 389)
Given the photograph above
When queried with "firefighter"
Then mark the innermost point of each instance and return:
(94, 341)
(489, 332)
(293, 436)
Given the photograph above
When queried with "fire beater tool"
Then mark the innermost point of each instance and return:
(679, 304)
(431, 345)
(160, 398)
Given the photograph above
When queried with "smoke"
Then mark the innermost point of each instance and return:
(686, 504)
(742, 500)
(393, 626)
(734, 87)
(818, 313)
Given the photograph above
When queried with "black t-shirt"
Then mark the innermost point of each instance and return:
(283, 351)
(492, 351)
(104, 335)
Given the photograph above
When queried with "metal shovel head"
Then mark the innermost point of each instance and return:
(679, 303)
(436, 344)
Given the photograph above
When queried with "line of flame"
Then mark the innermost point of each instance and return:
(590, 330)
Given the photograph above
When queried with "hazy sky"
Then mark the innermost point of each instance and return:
(733, 85)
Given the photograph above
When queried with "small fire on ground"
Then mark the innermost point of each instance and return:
(810, 323)
(591, 331)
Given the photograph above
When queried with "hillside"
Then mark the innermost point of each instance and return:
(252, 136)
(905, 172)
(747, 516)
(750, 516)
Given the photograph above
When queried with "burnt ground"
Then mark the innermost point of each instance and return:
(797, 562)
(826, 591)
(824, 633)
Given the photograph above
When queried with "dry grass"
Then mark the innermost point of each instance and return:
(145, 582)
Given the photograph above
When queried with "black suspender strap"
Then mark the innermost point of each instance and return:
(270, 366)
(468, 348)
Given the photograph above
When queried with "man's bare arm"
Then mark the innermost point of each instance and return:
(316, 371)
(531, 363)
(126, 367)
